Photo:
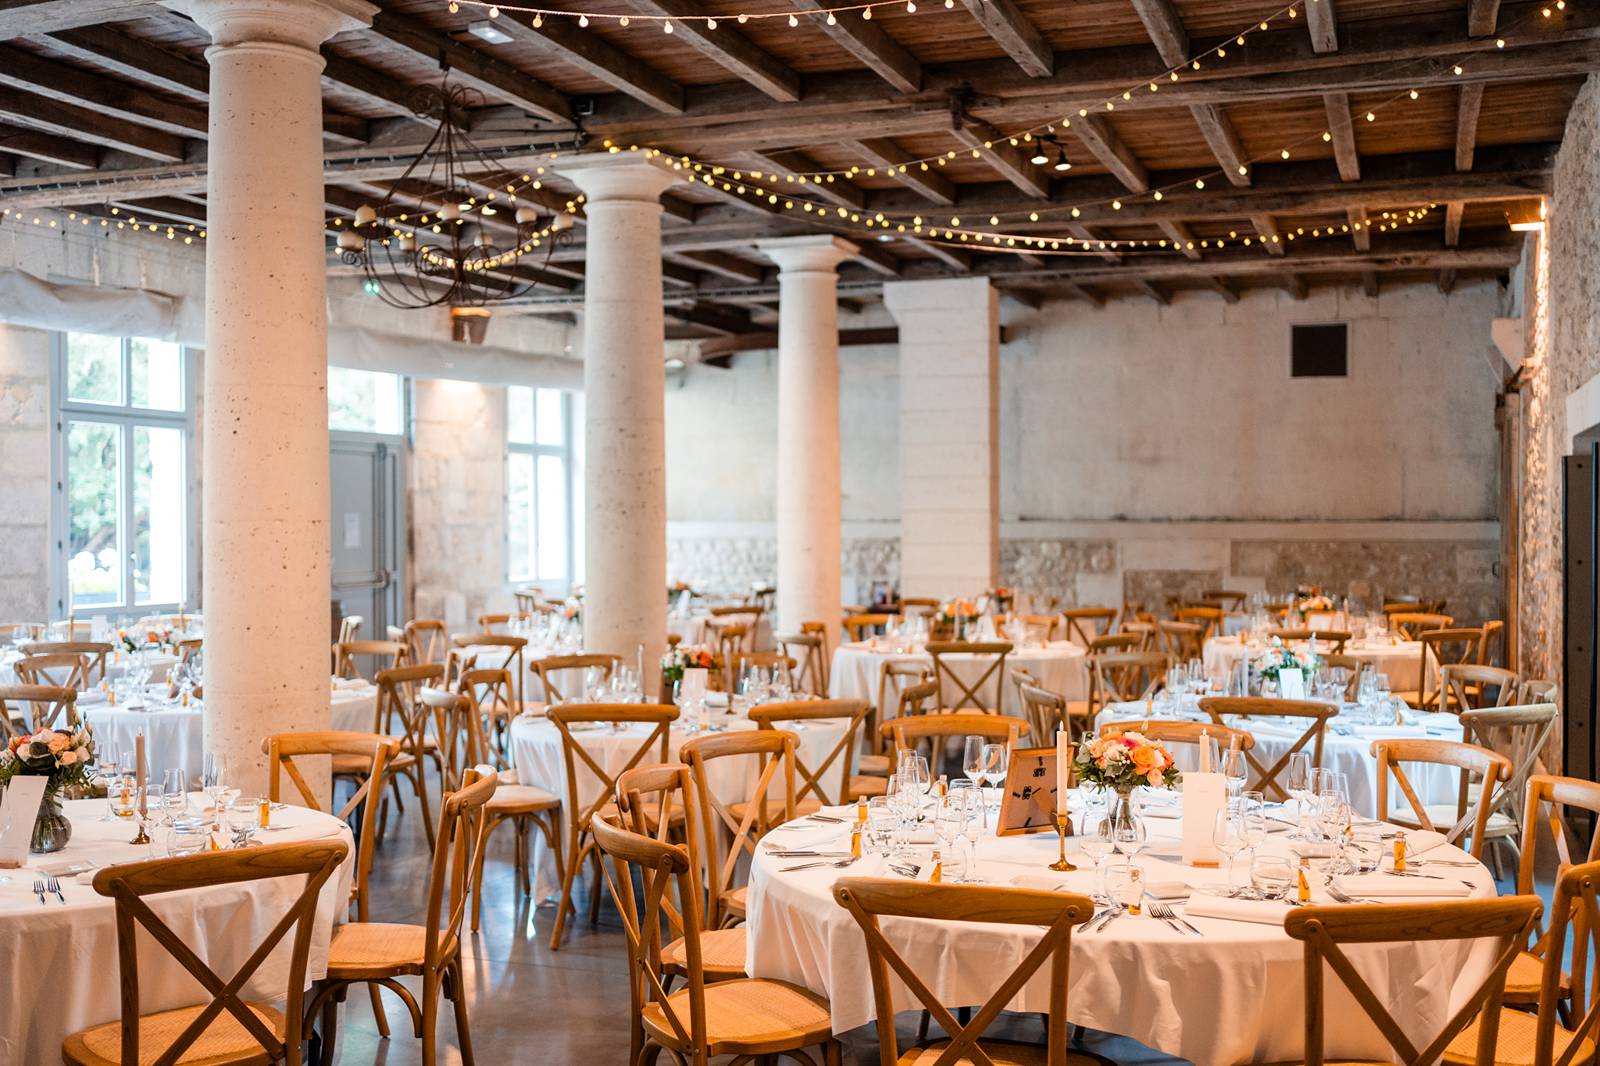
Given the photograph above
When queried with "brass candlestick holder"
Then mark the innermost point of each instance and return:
(1064, 830)
(142, 837)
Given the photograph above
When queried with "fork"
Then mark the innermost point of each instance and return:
(1165, 912)
(814, 865)
(38, 890)
(1340, 896)
(53, 885)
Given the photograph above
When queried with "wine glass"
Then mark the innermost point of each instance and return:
(969, 795)
(950, 819)
(1235, 768)
(212, 779)
(174, 795)
(996, 759)
(972, 759)
(1228, 835)
(1097, 841)
(1297, 782)
(913, 774)
(106, 774)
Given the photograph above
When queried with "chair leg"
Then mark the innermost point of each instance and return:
(419, 778)
(330, 1029)
(594, 890)
(430, 1019)
(565, 903)
(378, 1014)
(458, 996)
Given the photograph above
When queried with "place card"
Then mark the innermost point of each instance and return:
(1203, 797)
(1292, 684)
(19, 809)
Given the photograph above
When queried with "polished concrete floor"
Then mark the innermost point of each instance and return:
(529, 1004)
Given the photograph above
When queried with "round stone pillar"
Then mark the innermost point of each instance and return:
(265, 498)
(624, 383)
(808, 429)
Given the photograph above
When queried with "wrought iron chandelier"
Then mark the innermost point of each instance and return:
(451, 231)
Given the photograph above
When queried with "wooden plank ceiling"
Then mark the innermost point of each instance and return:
(103, 107)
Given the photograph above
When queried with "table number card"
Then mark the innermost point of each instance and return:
(1203, 797)
(1292, 684)
(19, 808)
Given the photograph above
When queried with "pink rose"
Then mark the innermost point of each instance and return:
(67, 758)
(59, 742)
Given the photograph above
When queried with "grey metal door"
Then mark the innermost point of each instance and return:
(368, 519)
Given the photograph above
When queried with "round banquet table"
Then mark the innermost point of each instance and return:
(693, 629)
(1061, 667)
(117, 662)
(1347, 746)
(60, 961)
(1232, 995)
(536, 753)
(1401, 663)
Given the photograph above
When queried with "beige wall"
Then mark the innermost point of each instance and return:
(24, 474)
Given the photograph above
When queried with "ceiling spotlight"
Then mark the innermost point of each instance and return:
(1039, 158)
(1062, 164)
(487, 31)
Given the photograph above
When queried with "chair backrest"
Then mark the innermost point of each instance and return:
(130, 884)
(659, 716)
(1324, 931)
(1489, 647)
(1467, 686)
(810, 650)
(349, 626)
(1332, 639)
(1208, 618)
(1045, 711)
(465, 656)
(94, 654)
(1537, 690)
(905, 731)
(1228, 598)
(894, 677)
(1518, 733)
(12, 632)
(528, 598)
(870, 898)
(1116, 642)
(386, 654)
(1040, 626)
(1489, 769)
(1173, 732)
(282, 749)
(1126, 676)
(955, 694)
(1407, 624)
(1313, 712)
(1084, 624)
(1145, 630)
(729, 638)
(458, 730)
(1353, 666)
(1181, 640)
(1549, 800)
(493, 693)
(397, 699)
(729, 838)
(425, 640)
(838, 761)
(867, 623)
(46, 706)
(457, 852)
(1573, 911)
(914, 699)
(660, 801)
(61, 669)
(545, 669)
(765, 660)
(1441, 648)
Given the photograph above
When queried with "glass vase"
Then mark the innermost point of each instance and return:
(51, 829)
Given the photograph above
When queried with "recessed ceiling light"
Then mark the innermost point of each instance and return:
(485, 30)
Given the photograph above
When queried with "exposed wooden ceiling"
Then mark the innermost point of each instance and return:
(103, 105)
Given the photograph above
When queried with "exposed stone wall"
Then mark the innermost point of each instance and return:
(24, 474)
(728, 563)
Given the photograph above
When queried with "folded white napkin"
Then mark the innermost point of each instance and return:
(1040, 882)
(1421, 840)
(351, 682)
(1388, 886)
(1259, 911)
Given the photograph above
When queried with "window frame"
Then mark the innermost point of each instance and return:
(125, 417)
(566, 453)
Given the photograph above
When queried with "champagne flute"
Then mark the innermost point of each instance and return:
(1228, 835)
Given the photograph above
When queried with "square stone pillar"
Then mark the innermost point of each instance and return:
(949, 434)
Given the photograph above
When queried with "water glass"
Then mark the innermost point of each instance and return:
(1271, 876)
(188, 836)
(881, 820)
(174, 795)
(1125, 885)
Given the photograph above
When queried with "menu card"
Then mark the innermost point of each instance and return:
(1203, 796)
(1292, 684)
(19, 809)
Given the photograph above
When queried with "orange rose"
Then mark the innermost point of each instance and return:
(1145, 758)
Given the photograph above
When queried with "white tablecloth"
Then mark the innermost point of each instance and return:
(1400, 663)
(1061, 667)
(693, 630)
(536, 753)
(1347, 746)
(60, 962)
(1233, 995)
(116, 665)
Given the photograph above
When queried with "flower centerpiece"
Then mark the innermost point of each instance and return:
(676, 589)
(1125, 761)
(1002, 597)
(952, 615)
(1317, 602)
(1279, 656)
(143, 638)
(687, 657)
(61, 756)
(572, 611)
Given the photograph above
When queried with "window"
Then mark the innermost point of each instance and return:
(542, 525)
(366, 401)
(1319, 351)
(123, 514)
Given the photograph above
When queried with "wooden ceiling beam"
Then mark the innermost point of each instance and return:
(1447, 281)
(1266, 228)
(725, 320)
(728, 48)
(1087, 235)
(117, 99)
(941, 250)
(376, 88)
(468, 66)
(877, 259)
(85, 124)
(1010, 163)
(841, 192)
(1482, 17)
(1360, 228)
(1155, 290)
(1096, 134)
(1468, 105)
(1182, 239)
(885, 153)
(166, 207)
(1369, 284)
(1452, 223)
(1165, 28)
(133, 58)
(765, 340)
(868, 42)
(1228, 293)
(597, 57)
(1337, 107)
(1012, 31)
(21, 18)
(723, 263)
(1323, 23)
(49, 148)
(1296, 286)
(1083, 292)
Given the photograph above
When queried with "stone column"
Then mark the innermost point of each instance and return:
(808, 429)
(266, 585)
(624, 382)
(949, 434)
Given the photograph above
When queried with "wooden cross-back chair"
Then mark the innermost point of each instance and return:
(1551, 802)
(911, 606)
(870, 899)
(377, 953)
(1145, 630)
(349, 626)
(1410, 605)
(1174, 732)
(1468, 686)
(810, 650)
(493, 692)
(93, 652)
(398, 712)
(227, 1029)
(1537, 690)
(858, 626)
(545, 669)
(1040, 626)
(489, 620)
(1311, 711)
(469, 651)
(386, 654)
(528, 598)
(1489, 647)
(1440, 648)
(766, 660)
(745, 1017)
(1325, 931)
(1407, 624)
(1477, 765)
(989, 655)
(55, 670)
(37, 707)
(742, 824)
(813, 787)
(425, 640)
(1520, 734)
(1181, 640)
(1333, 640)
(15, 632)
(581, 804)
(1565, 1029)
(1208, 618)
(1354, 667)
(904, 733)
(458, 722)
(1126, 676)
(729, 639)
(1229, 599)
(1084, 624)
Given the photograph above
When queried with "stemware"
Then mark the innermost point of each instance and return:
(881, 818)
(969, 794)
(996, 760)
(1229, 837)
(1097, 841)
(212, 779)
(1235, 769)
(950, 820)
(913, 775)
(1297, 782)
(174, 795)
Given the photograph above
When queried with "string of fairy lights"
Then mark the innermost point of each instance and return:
(804, 190)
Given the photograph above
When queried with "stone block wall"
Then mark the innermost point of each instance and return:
(24, 474)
